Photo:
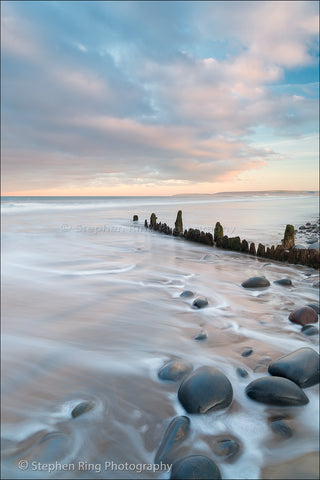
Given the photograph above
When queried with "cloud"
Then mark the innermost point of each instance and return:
(98, 92)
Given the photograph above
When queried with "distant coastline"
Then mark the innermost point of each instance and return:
(250, 193)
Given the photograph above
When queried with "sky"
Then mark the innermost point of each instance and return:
(159, 97)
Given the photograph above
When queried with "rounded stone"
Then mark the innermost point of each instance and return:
(174, 370)
(303, 316)
(309, 330)
(202, 335)
(242, 372)
(81, 408)
(276, 391)
(301, 366)
(195, 467)
(200, 302)
(205, 389)
(187, 293)
(256, 282)
(176, 432)
(226, 447)
(247, 352)
(285, 282)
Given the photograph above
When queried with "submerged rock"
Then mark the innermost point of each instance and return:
(202, 335)
(286, 282)
(247, 352)
(281, 428)
(186, 294)
(200, 302)
(309, 330)
(195, 467)
(288, 240)
(301, 366)
(276, 391)
(303, 316)
(205, 389)
(81, 408)
(256, 282)
(242, 372)
(176, 432)
(174, 370)
(226, 447)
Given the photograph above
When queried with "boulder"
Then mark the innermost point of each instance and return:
(195, 467)
(303, 316)
(205, 389)
(276, 391)
(301, 366)
(256, 282)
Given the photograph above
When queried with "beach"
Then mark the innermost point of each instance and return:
(92, 309)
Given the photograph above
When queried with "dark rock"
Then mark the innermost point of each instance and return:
(301, 366)
(256, 282)
(174, 370)
(200, 302)
(309, 330)
(81, 408)
(288, 240)
(153, 220)
(281, 428)
(187, 293)
(315, 307)
(194, 467)
(225, 242)
(218, 231)
(178, 223)
(176, 432)
(135, 218)
(202, 335)
(242, 372)
(252, 249)
(229, 448)
(234, 243)
(244, 246)
(303, 316)
(285, 282)
(205, 389)
(276, 391)
(261, 252)
(247, 352)
(146, 224)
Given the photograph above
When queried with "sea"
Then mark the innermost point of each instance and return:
(91, 310)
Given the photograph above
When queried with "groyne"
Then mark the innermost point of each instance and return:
(286, 252)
